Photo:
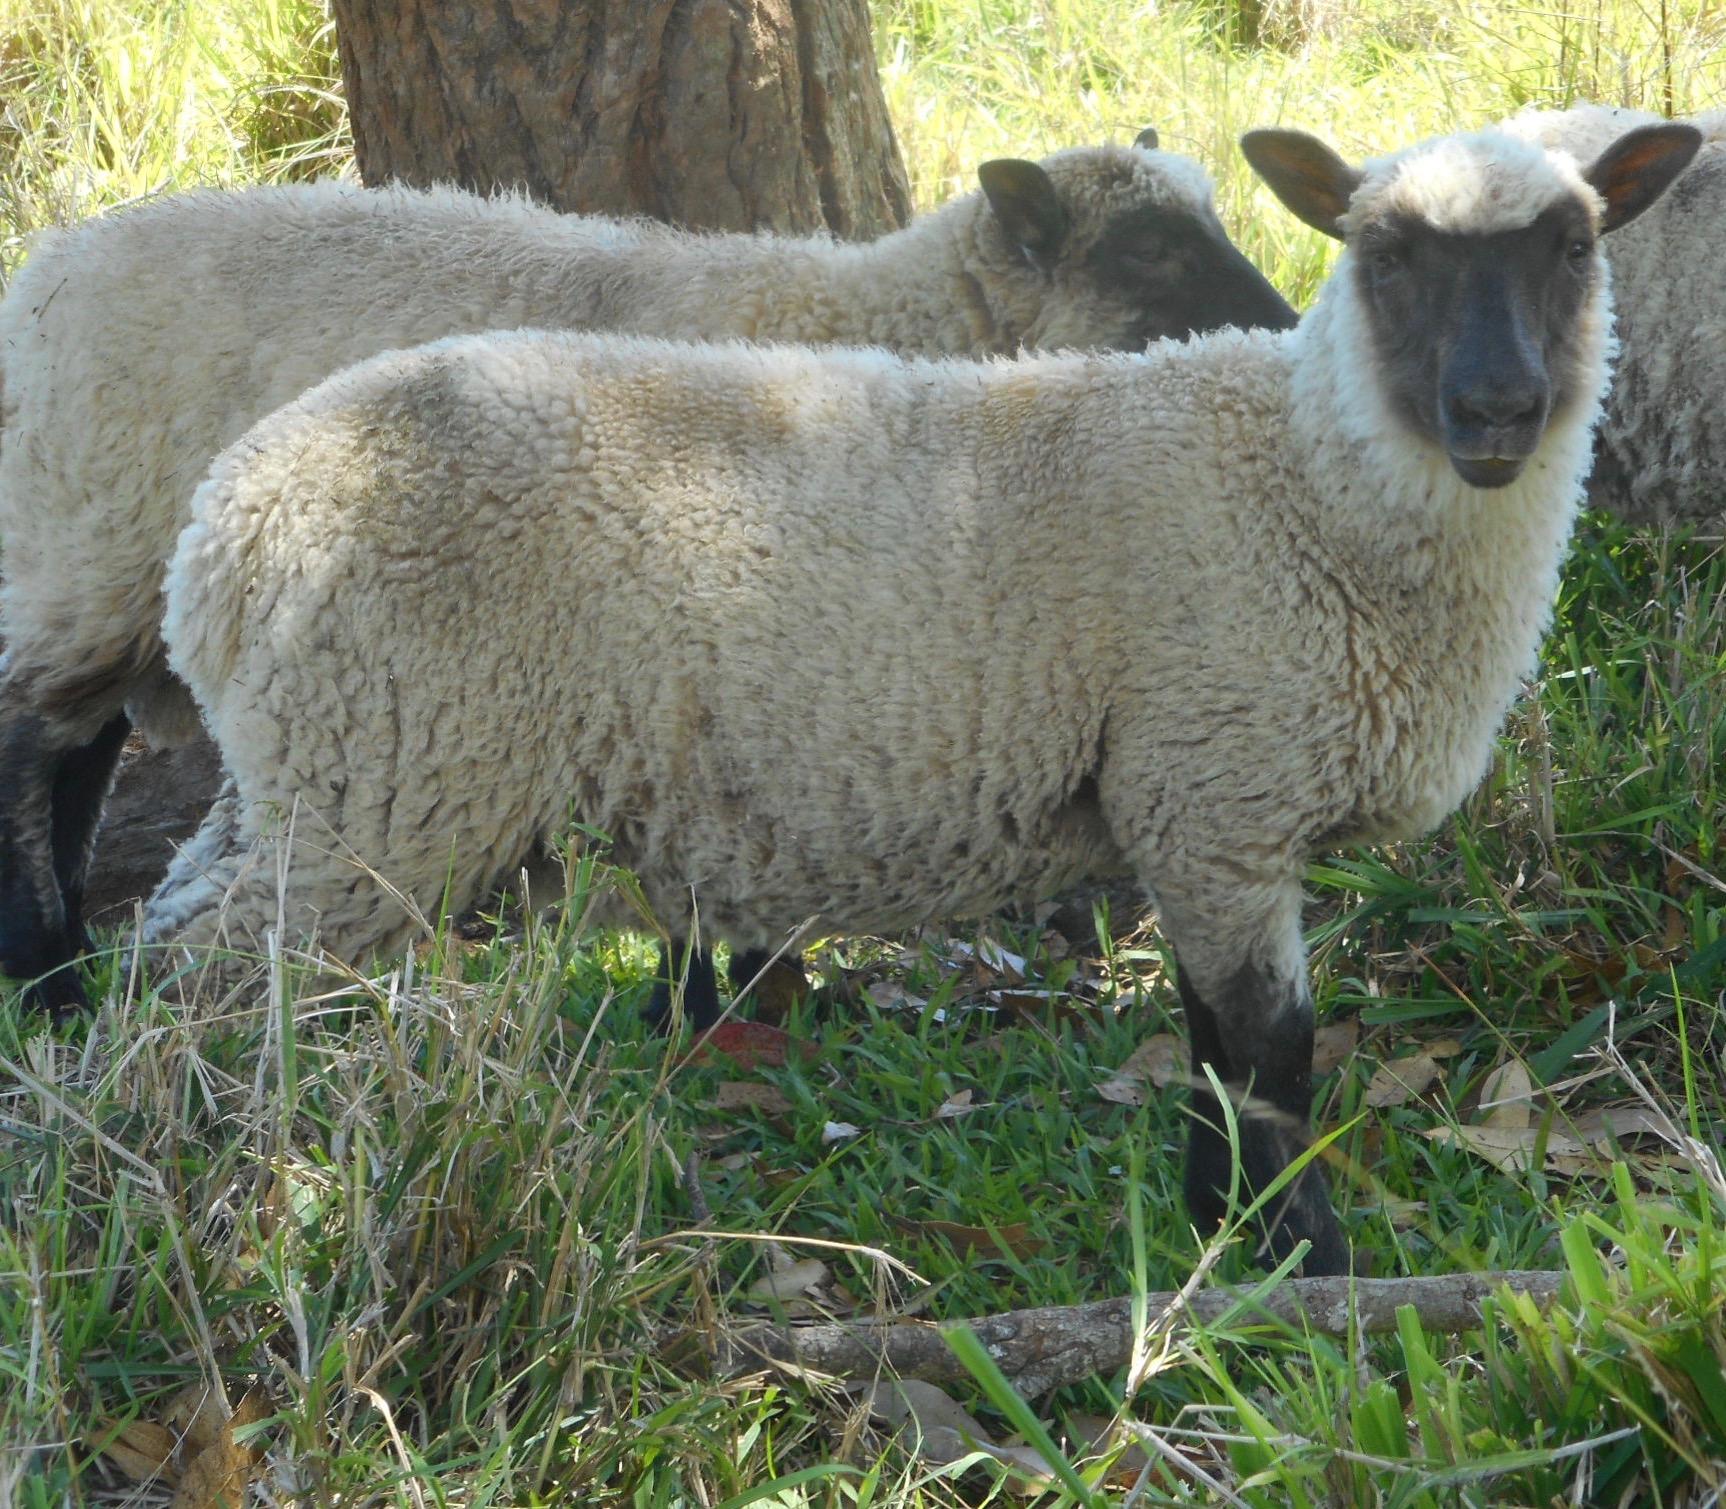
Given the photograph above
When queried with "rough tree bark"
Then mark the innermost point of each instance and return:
(722, 114)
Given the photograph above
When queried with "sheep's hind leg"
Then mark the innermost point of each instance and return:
(1253, 1025)
(81, 787)
(36, 942)
(700, 987)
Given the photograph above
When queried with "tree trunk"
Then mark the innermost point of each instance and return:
(720, 114)
(723, 114)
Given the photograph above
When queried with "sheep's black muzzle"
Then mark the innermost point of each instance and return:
(1495, 395)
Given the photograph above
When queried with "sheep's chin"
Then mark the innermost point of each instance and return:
(1488, 471)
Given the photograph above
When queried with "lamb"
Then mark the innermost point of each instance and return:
(138, 345)
(1199, 612)
(1660, 449)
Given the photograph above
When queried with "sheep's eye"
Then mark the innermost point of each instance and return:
(1580, 250)
(1387, 259)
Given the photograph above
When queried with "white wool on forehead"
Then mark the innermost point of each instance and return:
(1151, 176)
(1479, 183)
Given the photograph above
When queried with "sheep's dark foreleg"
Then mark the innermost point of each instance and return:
(35, 942)
(700, 987)
(81, 787)
(1254, 1027)
(746, 964)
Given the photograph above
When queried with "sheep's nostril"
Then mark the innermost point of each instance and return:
(1497, 411)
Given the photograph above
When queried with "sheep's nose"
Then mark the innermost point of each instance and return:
(1498, 409)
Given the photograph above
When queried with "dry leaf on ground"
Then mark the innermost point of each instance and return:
(1158, 1061)
(791, 1280)
(891, 995)
(193, 1448)
(1506, 1097)
(1608, 1124)
(1512, 1149)
(1333, 1043)
(1014, 1239)
(1401, 1080)
(750, 1045)
(945, 1431)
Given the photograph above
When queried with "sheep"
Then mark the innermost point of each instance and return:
(135, 347)
(1197, 612)
(1660, 449)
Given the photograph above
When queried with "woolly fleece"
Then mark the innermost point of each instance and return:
(1660, 451)
(138, 345)
(854, 636)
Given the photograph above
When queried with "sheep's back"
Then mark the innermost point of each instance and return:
(720, 604)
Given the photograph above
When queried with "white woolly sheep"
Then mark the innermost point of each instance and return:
(138, 345)
(1200, 611)
(1660, 449)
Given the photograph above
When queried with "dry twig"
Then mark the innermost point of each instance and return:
(1044, 1349)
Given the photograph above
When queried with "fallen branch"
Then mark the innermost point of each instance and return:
(1044, 1349)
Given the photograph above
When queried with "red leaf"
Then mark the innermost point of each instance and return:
(750, 1045)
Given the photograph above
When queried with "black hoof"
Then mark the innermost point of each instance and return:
(60, 995)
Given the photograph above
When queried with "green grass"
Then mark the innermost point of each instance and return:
(444, 1224)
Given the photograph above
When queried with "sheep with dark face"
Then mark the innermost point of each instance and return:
(133, 348)
(1199, 612)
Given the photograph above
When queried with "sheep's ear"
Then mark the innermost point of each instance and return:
(1305, 174)
(1639, 167)
(1026, 204)
(1148, 139)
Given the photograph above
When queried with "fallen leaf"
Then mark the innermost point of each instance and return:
(737, 1095)
(791, 1281)
(1002, 960)
(199, 1415)
(945, 1430)
(1400, 1081)
(1014, 1239)
(1512, 1149)
(890, 995)
(1158, 1061)
(143, 1450)
(198, 1432)
(1506, 1097)
(1402, 1214)
(1609, 1124)
(1333, 1043)
(750, 1045)
(1025, 1001)
(1026, 1461)
(215, 1479)
(1092, 1435)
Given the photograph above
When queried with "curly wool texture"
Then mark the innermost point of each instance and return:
(137, 346)
(1660, 452)
(847, 635)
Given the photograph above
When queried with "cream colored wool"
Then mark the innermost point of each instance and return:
(843, 634)
(136, 346)
(1661, 448)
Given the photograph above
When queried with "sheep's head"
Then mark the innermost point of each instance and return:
(1112, 247)
(1476, 265)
